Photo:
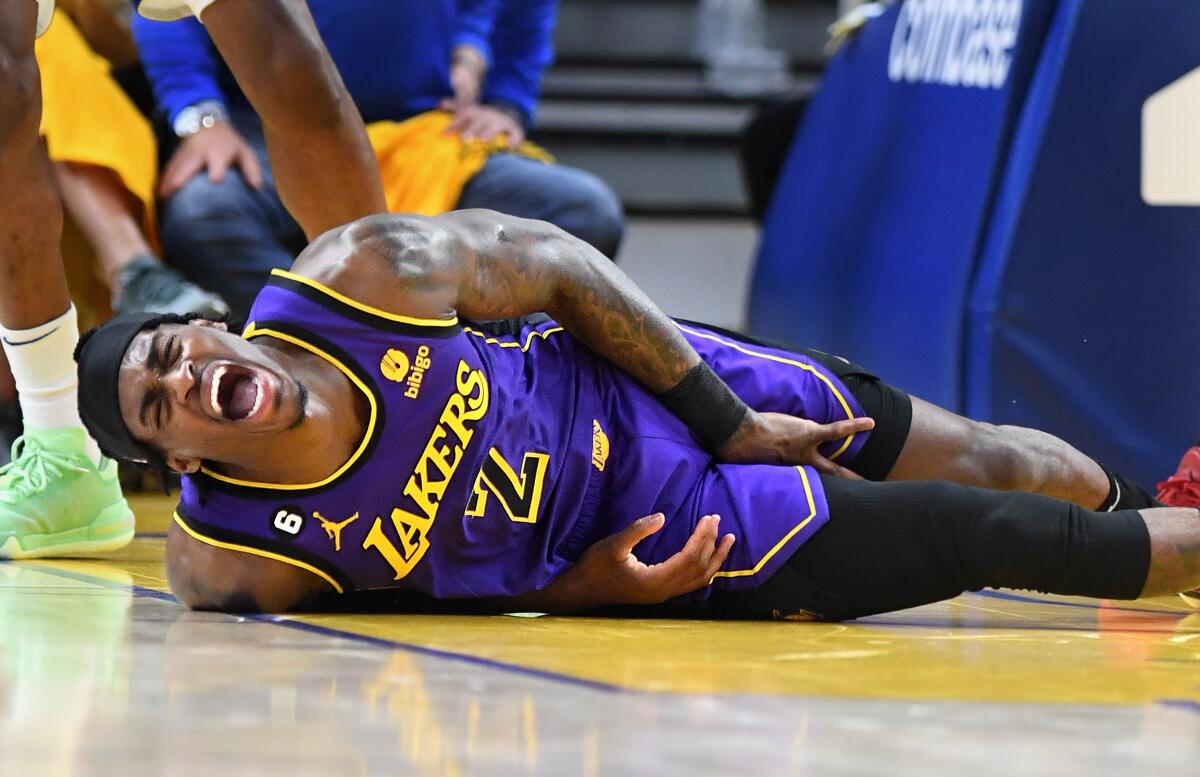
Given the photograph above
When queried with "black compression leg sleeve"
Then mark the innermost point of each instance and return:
(888, 546)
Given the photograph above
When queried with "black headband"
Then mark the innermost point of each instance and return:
(99, 355)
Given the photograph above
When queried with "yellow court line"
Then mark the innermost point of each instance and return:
(812, 512)
(505, 344)
(783, 360)
(441, 322)
(253, 331)
(256, 552)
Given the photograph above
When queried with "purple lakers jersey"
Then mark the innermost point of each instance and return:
(490, 462)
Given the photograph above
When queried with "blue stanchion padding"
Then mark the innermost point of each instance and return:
(875, 226)
(1084, 315)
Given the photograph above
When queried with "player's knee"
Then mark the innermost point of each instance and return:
(20, 94)
(1006, 461)
(204, 211)
(1006, 548)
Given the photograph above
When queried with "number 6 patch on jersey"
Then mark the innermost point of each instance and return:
(288, 520)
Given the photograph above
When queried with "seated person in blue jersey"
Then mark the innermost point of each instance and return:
(222, 221)
(364, 435)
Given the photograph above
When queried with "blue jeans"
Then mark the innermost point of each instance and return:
(227, 237)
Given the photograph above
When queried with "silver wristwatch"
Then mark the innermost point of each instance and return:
(200, 116)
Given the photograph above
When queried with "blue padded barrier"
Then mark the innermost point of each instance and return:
(873, 233)
(1084, 314)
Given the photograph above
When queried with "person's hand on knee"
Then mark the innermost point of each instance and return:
(215, 149)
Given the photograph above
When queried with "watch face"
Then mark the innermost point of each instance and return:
(197, 117)
(187, 123)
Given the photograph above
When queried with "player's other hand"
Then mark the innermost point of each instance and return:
(609, 573)
(776, 438)
(215, 149)
(482, 122)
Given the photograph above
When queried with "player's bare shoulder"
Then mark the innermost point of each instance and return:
(399, 263)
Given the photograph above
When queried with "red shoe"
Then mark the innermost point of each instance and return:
(1183, 488)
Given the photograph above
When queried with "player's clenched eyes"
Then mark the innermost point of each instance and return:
(165, 353)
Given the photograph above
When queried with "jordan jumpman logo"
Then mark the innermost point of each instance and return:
(334, 530)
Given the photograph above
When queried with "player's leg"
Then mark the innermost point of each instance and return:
(889, 546)
(105, 166)
(31, 216)
(109, 218)
(321, 159)
(945, 446)
(58, 495)
(917, 440)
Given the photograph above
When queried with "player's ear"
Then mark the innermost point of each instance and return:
(184, 465)
(210, 324)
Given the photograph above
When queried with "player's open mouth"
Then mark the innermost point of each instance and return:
(236, 393)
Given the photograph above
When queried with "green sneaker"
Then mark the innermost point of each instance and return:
(55, 502)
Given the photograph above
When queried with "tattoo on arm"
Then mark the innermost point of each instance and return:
(526, 267)
(486, 266)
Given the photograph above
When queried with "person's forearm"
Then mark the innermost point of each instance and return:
(531, 266)
(486, 265)
(521, 49)
(474, 22)
(322, 162)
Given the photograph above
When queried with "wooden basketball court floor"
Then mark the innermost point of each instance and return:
(106, 675)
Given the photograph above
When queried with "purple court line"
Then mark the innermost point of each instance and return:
(1181, 704)
(882, 620)
(151, 535)
(328, 631)
(1035, 600)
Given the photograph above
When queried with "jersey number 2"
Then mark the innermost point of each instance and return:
(520, 495)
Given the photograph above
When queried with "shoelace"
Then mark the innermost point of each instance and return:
(32, 469)
(1179, 491)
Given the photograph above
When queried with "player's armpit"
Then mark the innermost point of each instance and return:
(205, 577)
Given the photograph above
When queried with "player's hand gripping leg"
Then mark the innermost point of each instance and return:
(776, 438)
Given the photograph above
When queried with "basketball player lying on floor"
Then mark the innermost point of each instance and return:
(361, 436)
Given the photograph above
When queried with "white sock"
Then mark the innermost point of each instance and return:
(43, 362)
